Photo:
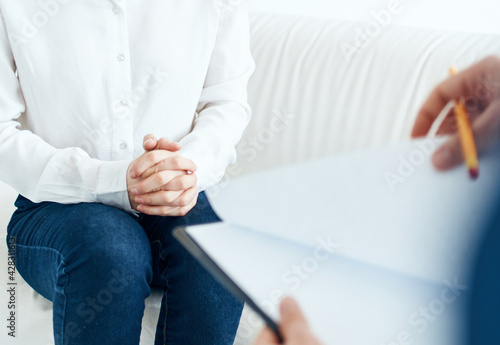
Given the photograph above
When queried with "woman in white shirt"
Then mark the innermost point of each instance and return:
(86, 89)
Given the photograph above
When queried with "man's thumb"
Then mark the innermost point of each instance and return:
(293, 323)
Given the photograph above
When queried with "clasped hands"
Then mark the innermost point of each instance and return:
(162, 182)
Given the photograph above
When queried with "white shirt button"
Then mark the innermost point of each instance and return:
(123, 145)
(116, 10)
(120, 57)
(124, 103)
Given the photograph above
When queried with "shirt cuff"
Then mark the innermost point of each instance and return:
(112, 185)
(207, 174)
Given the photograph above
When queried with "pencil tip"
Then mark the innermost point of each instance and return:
(474, 173)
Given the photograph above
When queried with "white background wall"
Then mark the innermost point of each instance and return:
(459, 15)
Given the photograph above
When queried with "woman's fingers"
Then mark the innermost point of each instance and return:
(182, 182)
(149, 142)
(161, 166)
(169, 160)
(147, 160)
(168, 198)
(187, 200)
(159, 198)
(167, 144)
(155, 182)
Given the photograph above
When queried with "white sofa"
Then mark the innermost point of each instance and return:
(310, 98)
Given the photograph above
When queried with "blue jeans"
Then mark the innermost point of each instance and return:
(97, 264)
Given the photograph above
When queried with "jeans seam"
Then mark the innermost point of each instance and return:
(63, 263)
(161, 251)
(165, 293)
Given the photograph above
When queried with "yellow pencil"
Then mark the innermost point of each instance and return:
(469, 150)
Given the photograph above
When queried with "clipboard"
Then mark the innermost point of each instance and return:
(204, 259)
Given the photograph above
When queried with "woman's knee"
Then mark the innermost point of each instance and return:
(110, 245)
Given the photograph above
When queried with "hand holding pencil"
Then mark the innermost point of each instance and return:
(293, 326)
(466, 136)
(476, 92)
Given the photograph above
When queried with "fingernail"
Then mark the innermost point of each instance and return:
(132, 174)
(443, 158)
(135, 191)
(139, 208)
(139, 200)
(148, 141)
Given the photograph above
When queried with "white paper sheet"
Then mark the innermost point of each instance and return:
(345, 302)
(425, 225)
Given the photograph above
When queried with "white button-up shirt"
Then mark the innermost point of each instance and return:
(83, 81)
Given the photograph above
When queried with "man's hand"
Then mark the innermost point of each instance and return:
(293, 327)
(161, 182)
(479, 85)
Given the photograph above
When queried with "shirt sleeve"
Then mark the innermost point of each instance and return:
(223, 110)
(41, 172)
